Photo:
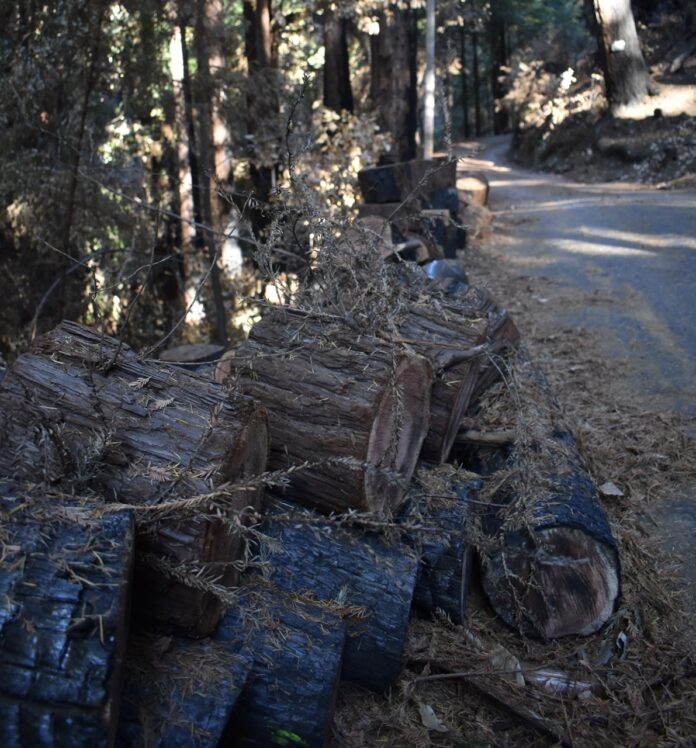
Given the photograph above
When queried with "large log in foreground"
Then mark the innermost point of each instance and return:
(352, 405)
(552, 568)
(290, 693)
(82, 408)
(64, 587)
(363, 576)
(180, 693)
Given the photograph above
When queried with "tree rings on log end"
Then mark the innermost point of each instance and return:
(562, 582)
(398, 431)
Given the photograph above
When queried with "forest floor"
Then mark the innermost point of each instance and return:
(600, 280)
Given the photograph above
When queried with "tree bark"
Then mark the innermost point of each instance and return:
(370, 581)
(477, 81)
(393, 79)
(143, 434)
(200, 178)
(290, 695)
(66, 586)
(465, 81)
(338, 94)
(429, 99)
(625, 72)
(498, 62)
(444, 503)
(351, 401)
(176, 689)
(552, 567)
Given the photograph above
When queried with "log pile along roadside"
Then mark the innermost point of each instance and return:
(288, 516)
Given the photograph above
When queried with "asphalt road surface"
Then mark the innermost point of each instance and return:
(634, 247)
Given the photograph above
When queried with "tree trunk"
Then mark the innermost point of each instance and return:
(66, 586)
(477, 85)
(290, 694)
(444, 503)
(368, 580)
(465, 81)
(351, 402)
(338, 94)
(144, 434)
(200, 178)
(625, 71)
(498, 62)
(176, 689)
(393, 79)
(259, 53)
(429, 99)
(552, 566)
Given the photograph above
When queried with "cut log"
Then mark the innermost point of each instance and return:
(420, 179)
(451, 337)
(473, 187)
(369, 580)
(180, 693)
(351, 405)
(552, 568)
(65, 586)
(442, 504)
(290, 694)
(83, 408)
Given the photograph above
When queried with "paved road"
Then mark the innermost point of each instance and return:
(633, 247)
(636, 245)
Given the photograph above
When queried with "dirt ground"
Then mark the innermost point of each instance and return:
(642, 662)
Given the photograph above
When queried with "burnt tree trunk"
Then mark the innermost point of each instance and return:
(81, 407)
(178, 692)
(367, 579)
(338, 94)
(65, 586)
(498, 62)
(289, 696)
(393, 78)
(440, 509)
(552, 567)
(477, 78)
(465, 81)
(351, 405)
(625, 72)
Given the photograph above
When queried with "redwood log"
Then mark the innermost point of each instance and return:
(452, 338)
(290, 694)
(422, 180)
(352, 403)
(83, 409)
(180, 693)
(363, 576)
(441, 508)
(552, 567)
(64, 586)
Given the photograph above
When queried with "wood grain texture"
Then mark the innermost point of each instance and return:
(83, 409)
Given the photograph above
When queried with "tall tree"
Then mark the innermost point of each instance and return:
(499, 59)
(625, 71)
(393, 73)
(338, 94)
(475, 71)
(465, 80)
(429, 108)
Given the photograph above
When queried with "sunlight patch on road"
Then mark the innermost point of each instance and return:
(576, 246)
(659, 241)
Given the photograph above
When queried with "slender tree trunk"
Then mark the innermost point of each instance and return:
(429, 110)
(203, 237)
(393, 79)
(498, 62)
(258, 42)
(625, 71)
(465, 81)
(338, 94)
(477, 84)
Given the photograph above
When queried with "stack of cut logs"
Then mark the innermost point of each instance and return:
(131, 504)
